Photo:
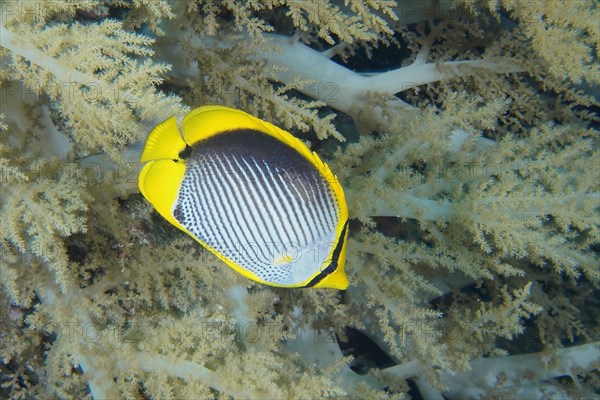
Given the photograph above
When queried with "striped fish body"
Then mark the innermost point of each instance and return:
(250, 193)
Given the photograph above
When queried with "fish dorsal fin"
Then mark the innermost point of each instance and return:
(159, 183)
(164, 141)
(204, 122)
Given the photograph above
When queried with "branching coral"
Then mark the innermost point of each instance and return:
(465, 137)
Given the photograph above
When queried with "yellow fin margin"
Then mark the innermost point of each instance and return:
(204, 122)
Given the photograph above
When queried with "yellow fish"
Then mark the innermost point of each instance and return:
(252, 194)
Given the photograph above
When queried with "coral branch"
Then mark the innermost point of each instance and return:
(64, 74)
(521, 373)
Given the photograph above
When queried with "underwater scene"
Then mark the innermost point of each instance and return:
(283, 199)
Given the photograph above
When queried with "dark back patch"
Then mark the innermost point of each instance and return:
(247, 144)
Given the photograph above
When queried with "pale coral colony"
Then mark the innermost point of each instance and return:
(465, 137)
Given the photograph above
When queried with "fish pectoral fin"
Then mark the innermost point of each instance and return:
(280, 259)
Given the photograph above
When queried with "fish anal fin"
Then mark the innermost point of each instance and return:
(336, 280)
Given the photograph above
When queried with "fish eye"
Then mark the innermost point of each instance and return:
(185, 153)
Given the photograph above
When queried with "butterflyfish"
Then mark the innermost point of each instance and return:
(252, 194)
